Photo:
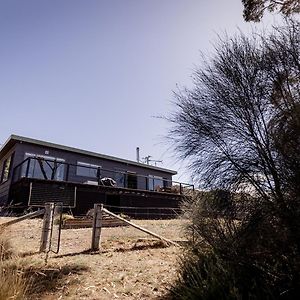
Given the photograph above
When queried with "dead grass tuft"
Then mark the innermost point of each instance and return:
(13, 282)
(6, 250)
(142, 245)
(50, 279)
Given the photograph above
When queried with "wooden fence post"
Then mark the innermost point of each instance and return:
(97, 224)
(49, 208)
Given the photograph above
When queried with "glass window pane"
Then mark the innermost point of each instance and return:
(6, 169)
(87, 170)
(43, 167)
(155, 182)
(119, 178)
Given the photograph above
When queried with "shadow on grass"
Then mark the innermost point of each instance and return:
(87, 252)
(138, 246)
(46, 279)
(29, 253)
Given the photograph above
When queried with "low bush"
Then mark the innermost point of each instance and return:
(249, 257)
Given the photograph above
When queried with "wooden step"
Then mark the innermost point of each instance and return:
(107, 221)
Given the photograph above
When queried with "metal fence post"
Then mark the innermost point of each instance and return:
(97, 224)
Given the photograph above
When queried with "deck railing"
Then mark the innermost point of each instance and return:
(41, 168)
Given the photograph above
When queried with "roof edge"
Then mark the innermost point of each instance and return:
(81, 151)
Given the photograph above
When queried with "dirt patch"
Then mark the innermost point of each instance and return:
(130, 264)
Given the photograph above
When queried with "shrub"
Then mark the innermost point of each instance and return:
(229, 258)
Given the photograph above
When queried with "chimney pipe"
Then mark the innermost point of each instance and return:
(138, 154)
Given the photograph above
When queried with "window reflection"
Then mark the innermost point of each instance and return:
(43, 167)
(87, 170)
(6, 169)
(155, 183)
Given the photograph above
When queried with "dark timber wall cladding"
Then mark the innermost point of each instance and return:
(43, 192)
(86, 199)
(130, 202)
(150, 207)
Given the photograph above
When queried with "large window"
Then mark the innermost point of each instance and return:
(120, 179)
(6, 168)
(155, 183)
(43, 167)
(87, 170)
(131, 180)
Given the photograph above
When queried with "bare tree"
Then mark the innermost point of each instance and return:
(254, 9)
(239, 127)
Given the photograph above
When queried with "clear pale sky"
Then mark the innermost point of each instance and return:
(93, 74)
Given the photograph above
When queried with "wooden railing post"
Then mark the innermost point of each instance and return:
(27, 167)
(49, 208)
(97, 224)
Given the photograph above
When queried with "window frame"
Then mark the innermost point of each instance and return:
(151, 182)
(10, 158)
(88, 166)
(33, 163)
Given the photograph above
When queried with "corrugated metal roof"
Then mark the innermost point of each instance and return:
(18, 138)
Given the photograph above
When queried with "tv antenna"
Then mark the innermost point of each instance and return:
(148, 160)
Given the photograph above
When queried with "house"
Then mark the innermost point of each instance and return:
(34, 172)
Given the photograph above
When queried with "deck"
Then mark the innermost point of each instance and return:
(139, 192)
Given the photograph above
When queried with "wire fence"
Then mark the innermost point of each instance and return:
(146, 212)
(167, 223)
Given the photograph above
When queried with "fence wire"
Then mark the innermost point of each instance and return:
(146, 212)
(165, 222)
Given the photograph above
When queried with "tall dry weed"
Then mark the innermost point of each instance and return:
(13, 284)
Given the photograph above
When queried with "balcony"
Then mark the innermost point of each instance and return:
(58, 170)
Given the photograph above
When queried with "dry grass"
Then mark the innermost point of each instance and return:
(130, 265)
(6, 250)
(13, 283)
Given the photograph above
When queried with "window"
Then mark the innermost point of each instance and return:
(155, 183)
(87, 170)
(6, 168)
(131, 180)
(119, 176)
(44, 167)
(120, 179)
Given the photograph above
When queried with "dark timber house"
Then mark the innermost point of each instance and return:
(34, 172)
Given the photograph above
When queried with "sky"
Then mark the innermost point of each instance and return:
(97, 74)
